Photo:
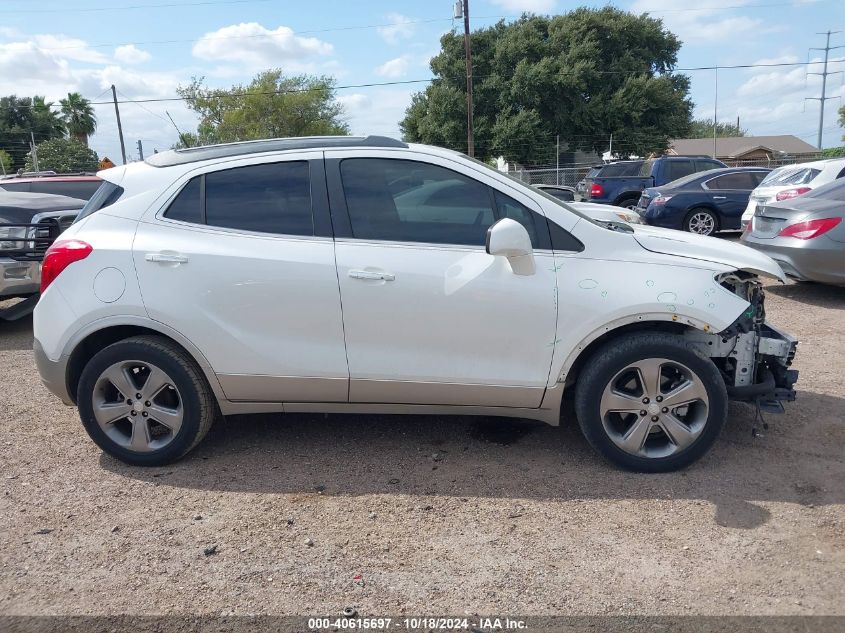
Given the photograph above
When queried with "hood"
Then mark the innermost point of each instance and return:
(708, 249)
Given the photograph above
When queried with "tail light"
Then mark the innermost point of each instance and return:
(596, 190)
(791, 193)
(809, 229)
(59, 256)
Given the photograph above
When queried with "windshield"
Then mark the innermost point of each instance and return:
(790, 176)
(621, 169)
(533, 190)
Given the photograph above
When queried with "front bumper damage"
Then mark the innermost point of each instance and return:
(753, 355)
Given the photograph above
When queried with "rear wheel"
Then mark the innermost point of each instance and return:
(629, 203)
(144, 401)
(701, 221)
(651, 403)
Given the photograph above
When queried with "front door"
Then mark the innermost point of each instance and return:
(429, 316)
(234, 263)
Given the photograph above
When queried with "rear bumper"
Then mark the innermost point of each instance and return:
(823, 260)
(53, 373)
(19, 278)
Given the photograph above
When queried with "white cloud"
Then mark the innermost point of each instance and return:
(65, 47)
(398, 29)
(394, 68)
(376, 110)
(130, 54)
(707, 25)
(527, 6)
(255, 47)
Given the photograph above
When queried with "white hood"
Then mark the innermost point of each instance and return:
(710, 249)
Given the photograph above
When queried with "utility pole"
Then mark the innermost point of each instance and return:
(33, 151)
(715, 105)
(557, 158)
(468, 55)
(119, 127)
(140, 149)
(827, 48)
(610, 149)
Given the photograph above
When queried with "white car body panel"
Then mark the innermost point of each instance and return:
(276, 323)
(830, 170)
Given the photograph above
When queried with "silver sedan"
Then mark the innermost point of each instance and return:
(805, 235)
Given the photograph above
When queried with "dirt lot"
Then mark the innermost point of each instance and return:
(437, 515)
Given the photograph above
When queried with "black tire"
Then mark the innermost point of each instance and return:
(698, 212)
(611, 359)
(199, 405)
(628, 203)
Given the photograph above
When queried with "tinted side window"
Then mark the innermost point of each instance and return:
(758, 176)
(270, 198)
(740, 180)
(407, 201)
(563, 240)
(107, 194)
(534, 223)
(678, 169)
(706, 165)
(186, 207)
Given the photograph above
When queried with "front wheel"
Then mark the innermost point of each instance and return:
(650, 402)
(144, 401)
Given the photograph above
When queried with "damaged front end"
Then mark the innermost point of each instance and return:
(753, 356)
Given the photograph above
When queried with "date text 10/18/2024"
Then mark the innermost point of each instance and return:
(420, 623)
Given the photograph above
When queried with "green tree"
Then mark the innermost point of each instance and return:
(270, 106)
(24, 118)
(78, 117)
(63, 155)
(842, 119)
(582, 75)
(5, 162)
(703, 128)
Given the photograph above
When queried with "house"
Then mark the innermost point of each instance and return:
(742, 148)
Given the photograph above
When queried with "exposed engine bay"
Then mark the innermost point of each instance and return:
(753, 356)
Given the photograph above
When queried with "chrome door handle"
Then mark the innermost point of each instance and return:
(371, 274)
(720, 197)
(166, 258)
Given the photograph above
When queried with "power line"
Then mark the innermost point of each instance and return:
(203, 3)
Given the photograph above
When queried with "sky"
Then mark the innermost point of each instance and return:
(147, 48)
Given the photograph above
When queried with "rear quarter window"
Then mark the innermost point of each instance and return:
(107, 194)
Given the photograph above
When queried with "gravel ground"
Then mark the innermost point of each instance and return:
(307, 514)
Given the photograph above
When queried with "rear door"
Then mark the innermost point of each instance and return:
(429, 316)
(239, 258)
(729, 194)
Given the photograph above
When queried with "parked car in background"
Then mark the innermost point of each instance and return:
(607, 213)
(791, 181)
(701, 203)
(561, 192)
(581, 185)
(29, 223)
(364, 274)
(805, 235)
(80, 186)
(624, 190)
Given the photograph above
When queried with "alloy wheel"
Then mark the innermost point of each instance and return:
(138, 406)
(654, 408)
(702, 223)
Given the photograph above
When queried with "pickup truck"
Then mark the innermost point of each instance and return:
(624, 190)
(29, 223)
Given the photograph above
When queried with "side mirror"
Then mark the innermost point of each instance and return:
(509, 238)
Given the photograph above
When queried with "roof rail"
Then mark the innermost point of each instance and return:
(244, 148)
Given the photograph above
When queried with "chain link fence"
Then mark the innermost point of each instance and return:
(572, 174)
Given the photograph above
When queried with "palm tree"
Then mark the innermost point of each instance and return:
(78, 116)
(45, 123)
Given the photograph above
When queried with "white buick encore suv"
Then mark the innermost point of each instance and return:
(363, 274)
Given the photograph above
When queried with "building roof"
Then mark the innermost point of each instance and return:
(737, 146)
